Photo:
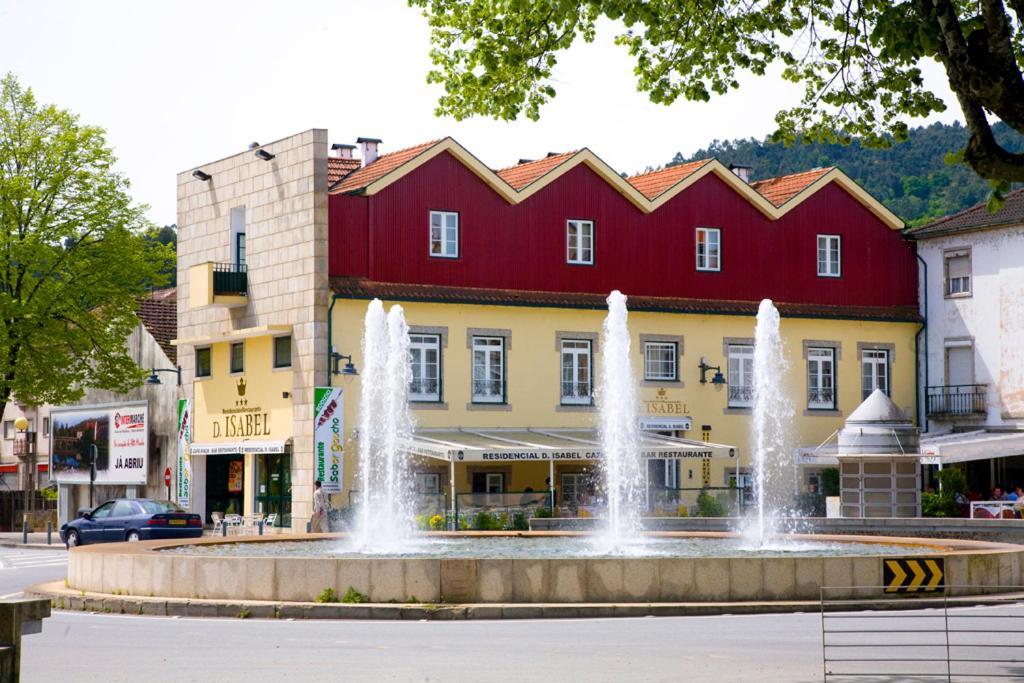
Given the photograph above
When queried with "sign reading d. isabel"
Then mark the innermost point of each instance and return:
(118, 438)
(329, 436)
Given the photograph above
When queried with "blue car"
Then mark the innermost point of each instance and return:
(131, 519)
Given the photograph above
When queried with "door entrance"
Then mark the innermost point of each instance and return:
(224, 484)
(274, 487)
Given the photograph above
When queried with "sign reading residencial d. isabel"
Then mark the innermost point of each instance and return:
(329, 436)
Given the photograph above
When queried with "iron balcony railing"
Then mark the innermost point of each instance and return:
(424, 390)
(957, 399)
(488, 391)
(230, 278)
(576, 393)
(823, 398)
(741, 396)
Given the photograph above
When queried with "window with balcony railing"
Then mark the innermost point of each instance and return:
(741, 375)
(230, 278)
(821, 379)
(741, 396)
(576, 372)
(488, 370)
(425, 356)
(821, 399)
(957, 399)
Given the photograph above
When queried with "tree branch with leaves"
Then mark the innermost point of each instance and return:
(75, 256)
(858, 61)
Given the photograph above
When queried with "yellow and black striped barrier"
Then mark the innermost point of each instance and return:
(914, 575)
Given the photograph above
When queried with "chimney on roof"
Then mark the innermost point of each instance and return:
(340, 150)
(368, 149)
(742, 172)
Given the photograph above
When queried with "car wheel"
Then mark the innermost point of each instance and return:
(133, 536)
(72, 539)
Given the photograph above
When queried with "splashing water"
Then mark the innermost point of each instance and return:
(618, 429)
(772, 414)
(385, 520)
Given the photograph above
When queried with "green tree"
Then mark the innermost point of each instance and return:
(73, 259)
(857, 60)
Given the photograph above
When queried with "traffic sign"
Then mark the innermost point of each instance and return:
(167, 477)
(914, 575)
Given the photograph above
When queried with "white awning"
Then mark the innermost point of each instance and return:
(237, 447)
(542, 445)
(981, 444)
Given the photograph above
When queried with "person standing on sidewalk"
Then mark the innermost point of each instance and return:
(319, 522)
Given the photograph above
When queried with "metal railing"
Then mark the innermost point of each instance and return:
(423, 503)
(938, 639)
(424, 389)
(576, 393)
(956, 399)
(230, 278)
(823, 398)
(669, 502)
(488, 390)
(741, 396)
(508, 503)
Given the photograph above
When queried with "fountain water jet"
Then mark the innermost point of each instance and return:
(386, 507)
(618, 428)
(772, 414)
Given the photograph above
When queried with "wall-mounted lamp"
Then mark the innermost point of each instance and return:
(201, 175)
(349, 368)
(264, 154)
(153, 379)
(717, 379)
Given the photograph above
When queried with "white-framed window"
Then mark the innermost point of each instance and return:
(574, 488)
(821, 379)
(660, 361)
(709, 249)
(577, 371)
(829, 256)
(579, 242)
(488, 370)
(8, 429)
(741, 375)
(958, 272)
(428, 483)
(425, 354)
(444, 234)
(874, 371)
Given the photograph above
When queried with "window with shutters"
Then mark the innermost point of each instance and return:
(958, 273)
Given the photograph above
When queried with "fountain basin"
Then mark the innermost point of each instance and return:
(176, 569)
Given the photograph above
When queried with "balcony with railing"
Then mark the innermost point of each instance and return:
(957, 400)
(821, 398)
(488, 391)
(576, 394)
(741, 395)
(425, 389)
(218, 285)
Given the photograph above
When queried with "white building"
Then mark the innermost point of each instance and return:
(973, 299)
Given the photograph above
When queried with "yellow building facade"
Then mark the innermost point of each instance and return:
(532, 340)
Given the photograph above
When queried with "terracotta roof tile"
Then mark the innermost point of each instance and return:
(976, 218)
(655, 183)
(780, 190)
(521, 175)
(338, 168)
(384, 164)
(160, 318)
(356, 288)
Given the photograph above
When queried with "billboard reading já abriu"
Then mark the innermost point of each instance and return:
(115, 437)
(328, 436)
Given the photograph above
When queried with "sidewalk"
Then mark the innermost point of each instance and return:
(36, 539)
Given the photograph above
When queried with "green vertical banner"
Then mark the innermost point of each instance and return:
(329, 437)
(184, 456)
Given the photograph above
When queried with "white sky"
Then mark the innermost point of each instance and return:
(178, 83)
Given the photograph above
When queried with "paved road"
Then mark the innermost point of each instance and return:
(20, 568)
(83, 647)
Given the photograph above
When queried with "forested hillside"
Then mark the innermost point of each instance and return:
(911, 178)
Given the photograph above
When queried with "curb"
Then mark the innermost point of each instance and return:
(63, 598)
(33, 546)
